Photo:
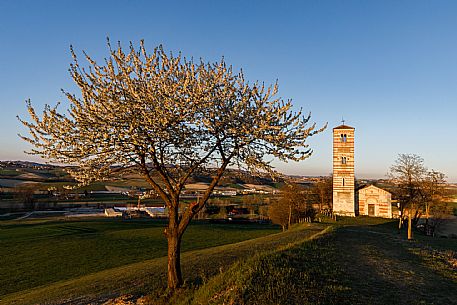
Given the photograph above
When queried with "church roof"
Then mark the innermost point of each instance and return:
(363, 189)
(344, 127)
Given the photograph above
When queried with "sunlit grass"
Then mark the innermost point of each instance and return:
(39, 252)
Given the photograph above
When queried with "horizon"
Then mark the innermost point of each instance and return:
(388, 68)
(290, 175)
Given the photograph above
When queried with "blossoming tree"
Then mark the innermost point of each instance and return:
(167, 118)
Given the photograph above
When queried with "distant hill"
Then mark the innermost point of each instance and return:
(13, 173)
(26, 171)
(25, 164)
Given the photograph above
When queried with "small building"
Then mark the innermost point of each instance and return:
(374, 201)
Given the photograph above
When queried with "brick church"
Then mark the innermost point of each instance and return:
(370, 200)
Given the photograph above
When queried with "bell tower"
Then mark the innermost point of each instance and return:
(343, 170)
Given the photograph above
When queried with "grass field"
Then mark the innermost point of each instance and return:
(9, 172)
(454, 207)
(354, 261)
(41, 252)
(149, 276)
(351, 265)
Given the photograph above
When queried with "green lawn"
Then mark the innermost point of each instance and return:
(149, 276)
(454, 207)
(353, 261)
(41, 252)
(9, 172)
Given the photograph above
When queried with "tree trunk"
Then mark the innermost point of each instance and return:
(290, 216)
(402, 217)
(174, 261)
(321, 204)
(410, 232)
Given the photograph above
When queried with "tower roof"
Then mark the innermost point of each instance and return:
(343, 127)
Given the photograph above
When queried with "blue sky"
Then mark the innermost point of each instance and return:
(388, 67)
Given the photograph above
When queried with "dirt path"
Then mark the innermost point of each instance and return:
(381, 268)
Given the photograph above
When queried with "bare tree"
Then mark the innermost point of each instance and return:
(167, 117)
(418, 190)
(291, 207)
(25, 194)
(324, 190)
(279, 213)
(407, 174)
(433, 193)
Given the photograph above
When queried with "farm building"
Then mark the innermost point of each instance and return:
(374, 201)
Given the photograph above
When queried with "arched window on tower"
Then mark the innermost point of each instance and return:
(343, 160)
(343, 181)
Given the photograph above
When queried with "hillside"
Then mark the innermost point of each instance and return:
(353, 261)
(16, 173)
(148, 276)
(351, 265)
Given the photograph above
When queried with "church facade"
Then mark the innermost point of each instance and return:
(370, 200)
(374, 201)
